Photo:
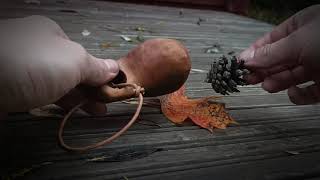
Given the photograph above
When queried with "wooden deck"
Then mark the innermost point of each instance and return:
(274, 139)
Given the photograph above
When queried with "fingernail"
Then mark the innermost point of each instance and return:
(247, 55)
(113, 66)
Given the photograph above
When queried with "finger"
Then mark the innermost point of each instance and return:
(75, 97)
(99, 71)
(43, 22)
(281, 31)
(302, 96)
(259, 75)
(283, 52)
(62, 34)
(285, 79)
(253, 78)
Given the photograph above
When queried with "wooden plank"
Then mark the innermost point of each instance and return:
(195, 158)
(274, 138)
(264, 169)
(87, 130)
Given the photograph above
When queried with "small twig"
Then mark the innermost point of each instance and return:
(128, 154)
(110, 28)
(148, 102)
(22, 172)
(198, 71)
(148, 120)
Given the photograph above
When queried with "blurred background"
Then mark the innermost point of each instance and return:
(276, 11)
(271, 11)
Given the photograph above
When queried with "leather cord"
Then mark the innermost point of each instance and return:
(138, 92)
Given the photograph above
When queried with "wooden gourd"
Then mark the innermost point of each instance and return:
(160, 66)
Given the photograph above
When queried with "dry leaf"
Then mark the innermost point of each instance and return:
(85, 32)
(139, 28)
(293, 152)
(126, 38)
(19, 174)
(140, 38)
(198, 71)
(129, 154)
(203, 112)
(216, 48)
(105, 45)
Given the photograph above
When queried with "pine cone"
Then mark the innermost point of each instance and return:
(226, 74)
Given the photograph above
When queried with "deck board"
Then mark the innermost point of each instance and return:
(274, 139)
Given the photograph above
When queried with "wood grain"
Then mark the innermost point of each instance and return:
(270, 127)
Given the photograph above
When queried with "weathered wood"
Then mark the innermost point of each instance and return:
(274, 139)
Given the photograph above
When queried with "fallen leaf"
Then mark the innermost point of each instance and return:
(203, 112)
(125, 155)
(216, 48)
(85, 32)
(140, 38)
(200, 20)
(198, 71)
(293, 152)
(105, 45)
(111, 28)
(139, 28)
(152, 123)
(23, 172)
(231, 53)
(97, 159)
(126, 38)
(181, 12)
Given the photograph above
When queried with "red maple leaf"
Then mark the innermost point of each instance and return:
(203, 112)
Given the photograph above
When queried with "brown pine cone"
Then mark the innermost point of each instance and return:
(225, 74)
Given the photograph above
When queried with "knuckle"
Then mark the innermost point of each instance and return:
(43, 21)
(264, 51)
(77, 47)
(77, 52)
(81, 59)
(82, 53)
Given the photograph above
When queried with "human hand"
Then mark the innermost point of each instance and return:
(40, 65)
(288, 56)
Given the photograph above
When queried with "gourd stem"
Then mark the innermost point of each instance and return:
(101, 143)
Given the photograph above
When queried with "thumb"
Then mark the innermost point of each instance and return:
(307, 95)
(99, 71)
(283, 52)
